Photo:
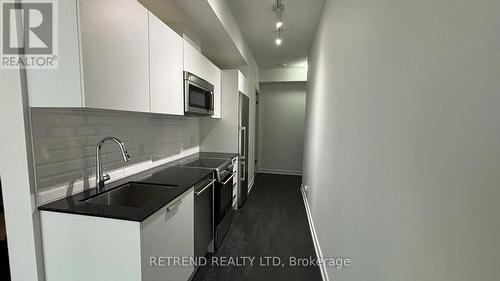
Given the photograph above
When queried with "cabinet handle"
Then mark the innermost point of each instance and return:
(205, 188)
(212, 101)
(174, 205)
(242, 171)
(244, 141)
(232, 176)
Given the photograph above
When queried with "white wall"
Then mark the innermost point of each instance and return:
(282, 115)
(221, 135)
(403, 140)
(253, 85)
(291, 74)
(251, 71)
(18, 191)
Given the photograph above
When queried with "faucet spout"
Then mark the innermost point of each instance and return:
(100, 179)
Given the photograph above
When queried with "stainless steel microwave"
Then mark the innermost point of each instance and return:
(198, 96)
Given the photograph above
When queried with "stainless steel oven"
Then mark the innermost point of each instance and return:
(223, 207)
(203, 216)
(223, 190)
(198, 95)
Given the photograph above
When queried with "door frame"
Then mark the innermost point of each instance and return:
(258, 133)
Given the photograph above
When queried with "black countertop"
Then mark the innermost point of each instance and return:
(222, 155)
(175, 179)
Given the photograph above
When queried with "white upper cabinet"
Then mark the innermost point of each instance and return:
(103, 58)
(60, 87)
(217, 81)
(115, 54)
(242, 83)
(165, 65)
(196, 63)
(114, 47)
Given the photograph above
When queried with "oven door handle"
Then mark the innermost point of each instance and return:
(230, 177)
(205, 188)
(212, 100)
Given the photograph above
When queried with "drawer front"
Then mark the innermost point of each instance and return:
(169, 233)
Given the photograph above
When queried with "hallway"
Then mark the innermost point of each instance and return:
(272, 222)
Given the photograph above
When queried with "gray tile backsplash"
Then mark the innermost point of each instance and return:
(64, 141)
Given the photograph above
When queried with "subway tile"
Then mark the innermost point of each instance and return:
(94, 120)
(40, 132)
(64, 142)
(62, 132)
(45, 120)
(44, 145)
(74, 142)
(85, 131)
(72, 120)
(47, 183)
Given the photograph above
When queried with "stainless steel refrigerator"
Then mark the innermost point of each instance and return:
(243, 117)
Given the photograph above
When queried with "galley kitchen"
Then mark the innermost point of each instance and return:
(211, 140)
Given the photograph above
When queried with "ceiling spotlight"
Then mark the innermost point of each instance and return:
(279, 24)
(278, 41)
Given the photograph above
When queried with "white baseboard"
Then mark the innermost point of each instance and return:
(280, 172)
(317, 247)
(58, 192)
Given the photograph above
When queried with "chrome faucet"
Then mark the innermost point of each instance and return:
(99, 177)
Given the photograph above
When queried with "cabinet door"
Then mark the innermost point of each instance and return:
(194, 61)
(166, 65)
(114, 38)
(242, 83)
(169, 233)
(60, 87)
(217, 81)
(78, 248)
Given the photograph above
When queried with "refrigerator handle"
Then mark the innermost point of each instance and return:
(243, 153)
(242, 171)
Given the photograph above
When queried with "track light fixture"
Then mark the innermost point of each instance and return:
(278, 8)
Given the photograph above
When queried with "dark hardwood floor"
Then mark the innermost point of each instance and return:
(272, 222)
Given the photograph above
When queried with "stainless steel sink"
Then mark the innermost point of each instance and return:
(134, 195)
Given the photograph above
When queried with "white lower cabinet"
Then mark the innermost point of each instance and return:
(82, 248)
(167, 234)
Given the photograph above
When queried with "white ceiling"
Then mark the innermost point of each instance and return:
(196, 17)
(257, 22)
